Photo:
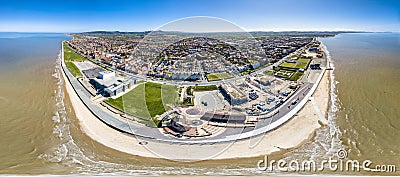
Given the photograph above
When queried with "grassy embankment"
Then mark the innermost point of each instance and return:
(146, 101)
(218, 76)
(205, 88)
(71, 56)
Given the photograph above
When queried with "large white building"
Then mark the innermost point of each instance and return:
(108, 84)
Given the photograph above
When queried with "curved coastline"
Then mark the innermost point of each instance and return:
(291, 134)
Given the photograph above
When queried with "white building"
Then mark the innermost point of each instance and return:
(108, 84)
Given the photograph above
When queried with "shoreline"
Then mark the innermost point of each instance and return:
(293, 132)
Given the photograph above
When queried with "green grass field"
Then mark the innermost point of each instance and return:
(74, 70)
(71, 56)
(269, 72)
(296, 76)
(158, 95)
(146, 101)
(205, 88)
(218, 76)
(288, 65)
(301, 63)
(303, 60)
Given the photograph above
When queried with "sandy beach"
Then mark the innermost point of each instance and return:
(290, 135)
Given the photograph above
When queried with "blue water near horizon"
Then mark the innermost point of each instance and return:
(25, 48)
(29, 34)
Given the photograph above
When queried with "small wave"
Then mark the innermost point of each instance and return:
(56, 117)
(334, 105)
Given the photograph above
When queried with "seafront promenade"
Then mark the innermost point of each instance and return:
(153, 134)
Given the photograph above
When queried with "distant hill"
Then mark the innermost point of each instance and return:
(254, 33)
(114, 33)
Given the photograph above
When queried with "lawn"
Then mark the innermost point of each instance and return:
(269, 72)
(276, 68)
(303, 60)
(296, 76)
(146, 101)
(288, 65)
(218, 76)
(206, 88)
(301, 63)
(74, 70)
(71, 56)
(159, 96)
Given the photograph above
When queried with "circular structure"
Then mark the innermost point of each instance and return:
(195, 123)
(193, 111)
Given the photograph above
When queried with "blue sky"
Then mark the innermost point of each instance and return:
(261, 15)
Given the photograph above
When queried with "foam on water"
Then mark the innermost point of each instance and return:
(334, 106)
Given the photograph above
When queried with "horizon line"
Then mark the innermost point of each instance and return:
(271, 31)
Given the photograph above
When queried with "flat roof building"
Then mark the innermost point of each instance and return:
(108, 84)
(232, 94)
(265, 80)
